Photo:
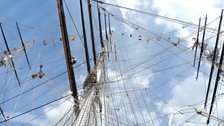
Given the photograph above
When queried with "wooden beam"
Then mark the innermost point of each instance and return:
(68, 58)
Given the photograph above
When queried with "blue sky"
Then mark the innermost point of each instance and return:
(175, 87)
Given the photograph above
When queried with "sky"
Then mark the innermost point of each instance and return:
(165, 90)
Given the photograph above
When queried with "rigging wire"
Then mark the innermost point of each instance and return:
(44, 112)
(29, 78)
(171, 51)
(134, 76)
(146, 29)
(66, 121)
(64, 116)
(155, 15)
(132, 25)
(141, 96)
(137, 26)
(43, 105)
(115, 107)
(128, 96)
(73, 22)
(32, 88)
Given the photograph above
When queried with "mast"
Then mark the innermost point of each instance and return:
(216, 84)
(197, 41)
(110, 32)
(202, 47)
(105, 19)
(219, 70)
(24, 47)
(68, 58)
(9, 53)
(85, 40)
(213, 60)
(100, 27)
(92, 33)
(107, 39)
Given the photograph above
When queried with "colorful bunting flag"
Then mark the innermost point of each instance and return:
(158, 38)
(140, 37)
(45, 42)
(148, 39)
(54, 41)
(72, 38)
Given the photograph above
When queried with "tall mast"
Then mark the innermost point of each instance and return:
(68, 58)
(202, 47)
(110, 32)
(100, 27)
(219, 69)
(84, 36)
(24, 47)
(9, 53)
(92, 33)
(213, 59)
(197, 41)
(107, 39)
(105, 18)
(216, 84)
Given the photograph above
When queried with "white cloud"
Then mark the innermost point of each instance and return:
(55, 114)
(25, 120)
(131, 15)
(49, 116)
(143, 81)
(188, 11)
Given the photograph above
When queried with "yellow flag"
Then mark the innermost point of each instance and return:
(148, 39)
(72, 38)
(158, 38)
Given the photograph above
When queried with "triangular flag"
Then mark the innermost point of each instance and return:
(54, 41)
(158, 38)
(148, 39)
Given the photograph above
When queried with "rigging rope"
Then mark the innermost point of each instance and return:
(35, 108)
(156, 15)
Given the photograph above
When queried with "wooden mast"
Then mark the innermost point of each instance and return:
(68, 58)
(92, 33)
